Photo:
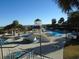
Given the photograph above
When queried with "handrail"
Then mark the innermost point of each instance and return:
(44, 56)
(22, 54)
(26, 52)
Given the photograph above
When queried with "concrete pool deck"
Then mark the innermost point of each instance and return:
(50, 49)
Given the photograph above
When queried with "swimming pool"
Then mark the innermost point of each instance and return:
(55, 34)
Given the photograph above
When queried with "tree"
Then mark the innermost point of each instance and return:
(1, 31)
(15, 26)
(73, 19)
(68, 5)
(38, 23)
(15, 22)
(61, 21)
(53, 21)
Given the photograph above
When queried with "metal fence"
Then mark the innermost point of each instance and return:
(33, 55)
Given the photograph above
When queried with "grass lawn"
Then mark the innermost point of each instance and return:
(71, 51)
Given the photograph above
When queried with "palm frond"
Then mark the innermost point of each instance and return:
(68, 5)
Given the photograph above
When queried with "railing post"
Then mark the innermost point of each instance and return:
(1, 48)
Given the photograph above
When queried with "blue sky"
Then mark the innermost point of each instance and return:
(26, 11)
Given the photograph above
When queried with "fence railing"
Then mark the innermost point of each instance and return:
(32, 55)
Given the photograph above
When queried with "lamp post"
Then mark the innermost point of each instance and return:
(40, 43)
(38, 25)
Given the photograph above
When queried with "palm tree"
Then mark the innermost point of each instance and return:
(73, 19)
(61, 21)
(53, 21)
(15, 26)
(73, 22)
(38, 23)
(68, 5)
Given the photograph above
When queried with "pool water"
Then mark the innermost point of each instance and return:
(56, 34)
(2, 41)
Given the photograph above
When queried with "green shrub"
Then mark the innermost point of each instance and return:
(25, 40)
(4, 37)
(16, 38)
